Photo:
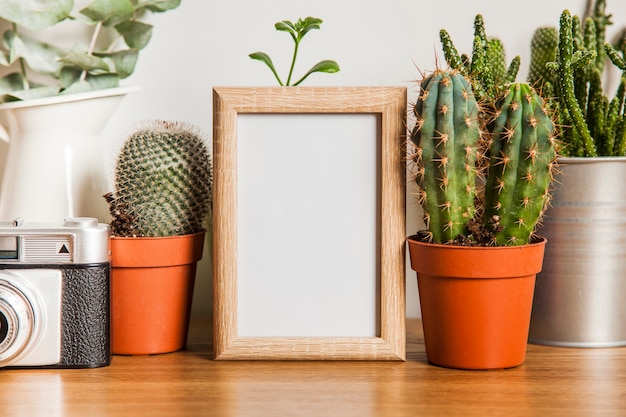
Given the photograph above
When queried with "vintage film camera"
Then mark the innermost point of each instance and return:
(54, 294)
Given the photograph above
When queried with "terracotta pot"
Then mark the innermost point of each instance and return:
(152, 282)
(476, 302)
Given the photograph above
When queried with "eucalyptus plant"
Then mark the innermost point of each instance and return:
(37, 68)
(297, 31)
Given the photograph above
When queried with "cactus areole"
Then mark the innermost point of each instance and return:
(481, 185)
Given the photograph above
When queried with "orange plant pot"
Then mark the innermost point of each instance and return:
(476, 302)
(152, 282)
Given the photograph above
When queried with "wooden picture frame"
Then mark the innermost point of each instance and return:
(388, 105)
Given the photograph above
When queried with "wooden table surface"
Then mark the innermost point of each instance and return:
(552, 382)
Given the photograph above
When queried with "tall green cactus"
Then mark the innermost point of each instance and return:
(522, 155)
(163, 182)
(566, 67)
(590, 123)
(446, 135)
(543, 47)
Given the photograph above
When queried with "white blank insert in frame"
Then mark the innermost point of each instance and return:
(308, 225)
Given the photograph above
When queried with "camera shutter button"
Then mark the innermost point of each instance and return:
(82, 222)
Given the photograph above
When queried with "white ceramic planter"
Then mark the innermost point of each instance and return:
(54, 167)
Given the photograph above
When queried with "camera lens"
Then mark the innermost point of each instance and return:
(17, 324)
(4, 327)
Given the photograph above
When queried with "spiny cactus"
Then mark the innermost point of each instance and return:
(567, 65)
(522, 155)
(590, 123)
(446, 135)
(486, 68)
(459, 205)
(543, 47)
(163, 182)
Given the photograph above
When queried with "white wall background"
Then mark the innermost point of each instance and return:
(205, 43)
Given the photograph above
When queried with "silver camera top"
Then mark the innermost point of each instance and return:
(78, 240)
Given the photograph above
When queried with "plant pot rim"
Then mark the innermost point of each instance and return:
(539, 240)
(150, 252)
(476, 262)
(145, 238)
(67, 98)
(589, 159)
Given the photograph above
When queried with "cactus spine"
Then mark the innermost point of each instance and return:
(163, 182)
(522, 155)
(446, 135)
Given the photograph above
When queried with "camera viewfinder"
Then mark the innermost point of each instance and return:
(9, 248)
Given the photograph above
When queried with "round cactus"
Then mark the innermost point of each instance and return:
(446, 134)
(163, 182)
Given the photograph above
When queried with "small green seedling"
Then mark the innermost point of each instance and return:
(297, 32)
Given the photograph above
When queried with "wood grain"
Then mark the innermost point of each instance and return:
(552, 382)
(390, 104)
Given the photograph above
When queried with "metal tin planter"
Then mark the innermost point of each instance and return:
(579, 295)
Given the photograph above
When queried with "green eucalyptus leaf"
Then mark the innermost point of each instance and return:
(69, 76)
(122, 62)
(77, 87)
(72, 80)
(85, 62)
(11, 82)
(109, 12)
(326, 66)
(9, 38)
(102, 81)
(32, 93)
(157, 6)
(35, 14)
(39, 56)
(136, 34)
(4, 59)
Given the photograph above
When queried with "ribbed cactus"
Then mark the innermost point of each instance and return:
(522, 155)
(163, 182)
(452, 143)
(590, 123)
(447, 137)
(543, 47)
